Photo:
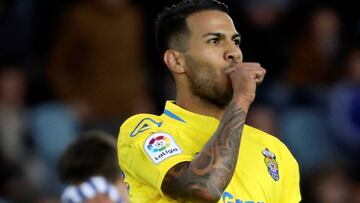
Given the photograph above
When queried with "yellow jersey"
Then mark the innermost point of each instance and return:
(150, 145)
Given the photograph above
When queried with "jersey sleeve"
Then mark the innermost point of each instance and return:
(149, 154)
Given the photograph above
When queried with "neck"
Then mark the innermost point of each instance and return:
(193, 103)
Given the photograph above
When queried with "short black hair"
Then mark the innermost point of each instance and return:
(171, 27)
(93, 153)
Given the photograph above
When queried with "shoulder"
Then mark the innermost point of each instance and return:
(138, 124)
(267, 140)
(260, 136)
(133, 133)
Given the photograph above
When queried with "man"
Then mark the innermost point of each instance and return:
(89, 168)
(199, 149)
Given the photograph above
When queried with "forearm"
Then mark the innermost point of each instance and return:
(208, 174)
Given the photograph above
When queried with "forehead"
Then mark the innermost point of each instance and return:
(204, 22)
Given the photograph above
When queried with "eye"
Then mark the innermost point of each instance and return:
(214, 41)
(237, 42)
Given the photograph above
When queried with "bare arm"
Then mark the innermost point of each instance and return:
(208, 175)
(205, 178)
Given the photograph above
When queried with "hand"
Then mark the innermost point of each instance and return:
(244, 77)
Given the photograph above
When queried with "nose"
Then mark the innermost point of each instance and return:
(233, 54)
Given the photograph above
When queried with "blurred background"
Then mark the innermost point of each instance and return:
(69, 66)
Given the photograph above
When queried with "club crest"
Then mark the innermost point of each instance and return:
(271, 163)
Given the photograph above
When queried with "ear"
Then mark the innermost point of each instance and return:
(174, 61)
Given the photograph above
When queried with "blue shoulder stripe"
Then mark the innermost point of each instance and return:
(172, 115)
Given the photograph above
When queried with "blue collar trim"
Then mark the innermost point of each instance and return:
(172, 115)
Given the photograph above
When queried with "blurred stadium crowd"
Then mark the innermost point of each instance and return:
(68, 66)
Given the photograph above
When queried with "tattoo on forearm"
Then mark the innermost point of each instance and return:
(207, 176)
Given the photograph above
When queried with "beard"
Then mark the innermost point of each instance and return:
(204, 83)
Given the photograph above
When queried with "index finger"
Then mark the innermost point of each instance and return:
(229, 70)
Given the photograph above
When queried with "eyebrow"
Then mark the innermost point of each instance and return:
(221, 35)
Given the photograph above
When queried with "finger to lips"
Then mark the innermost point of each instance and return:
(254, 64)
(229, 70)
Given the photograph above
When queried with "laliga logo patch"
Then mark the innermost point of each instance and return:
(160, 146)
(271, 163)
